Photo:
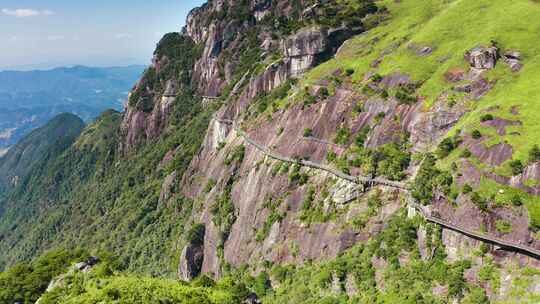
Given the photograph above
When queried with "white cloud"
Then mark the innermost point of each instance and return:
(25, 12)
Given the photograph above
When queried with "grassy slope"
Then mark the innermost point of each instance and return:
(452, 28)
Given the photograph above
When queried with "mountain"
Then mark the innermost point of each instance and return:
(29, 99)
(280, 151)
(38, 147)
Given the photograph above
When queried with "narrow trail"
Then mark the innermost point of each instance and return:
(370, 182)
(523, 249)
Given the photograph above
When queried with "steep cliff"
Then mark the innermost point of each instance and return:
(273, 134)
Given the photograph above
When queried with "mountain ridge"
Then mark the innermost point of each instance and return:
(176, 188)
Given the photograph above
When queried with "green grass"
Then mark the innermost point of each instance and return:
(452, 27)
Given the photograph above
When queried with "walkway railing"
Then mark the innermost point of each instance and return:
(521, 248)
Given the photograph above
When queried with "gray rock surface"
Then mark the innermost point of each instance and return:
(483, 58)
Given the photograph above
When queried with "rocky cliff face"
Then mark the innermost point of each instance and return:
(247, 61)
(260, 44)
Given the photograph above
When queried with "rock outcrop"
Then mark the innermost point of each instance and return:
(224, 42)
(191, 260)
(483, 58)
(513, 60)
(60, 281)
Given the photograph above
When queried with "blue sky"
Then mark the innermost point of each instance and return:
(49, 33)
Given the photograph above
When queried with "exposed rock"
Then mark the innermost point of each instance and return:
(305, 48)
(88, 264)
(455, 75)
(457, 247)
(514, 110)
(395, 80)
(440, 291)
(342, 192)
(425, 51)
(531, 173)
(494, 155)
(60, 281)
(252, 299)
(273, 76)
(139, 126)
(427, 129)
(501, 124)
(469, 174)
(421, 50)
(191, 261)
(513, 59)
(350, 285)
(380, 264)
(167, 187)
(169, 156)
(483, 58)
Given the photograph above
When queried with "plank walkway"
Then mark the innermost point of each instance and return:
(370, 182)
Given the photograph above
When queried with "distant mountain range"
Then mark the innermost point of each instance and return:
(29, 99)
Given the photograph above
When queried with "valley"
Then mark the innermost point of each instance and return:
(29, 99)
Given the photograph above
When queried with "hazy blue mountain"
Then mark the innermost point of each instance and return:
(29, 99)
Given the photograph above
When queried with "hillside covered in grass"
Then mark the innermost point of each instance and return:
(446, 31)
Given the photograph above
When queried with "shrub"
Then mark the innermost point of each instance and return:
(210, 185)
(295, 177)
(261, 284)
(503, 226)
(308, 98)
(534, 154)
(361, 137)
(516, 200)
(465, 154)
(323, 92)
(331, 156)
(479, 201)
(392, 160)
(446, 146)
(308, 132)
(196, 234)
(358, 107)
(404, 97)
(486, 117)
(516, 166)
(467, 189)
(379, 117)
(236, 155)
(376, 78)
(349, 72)
(343, 135)
(476, 134)
(428, 179)
(484, 248)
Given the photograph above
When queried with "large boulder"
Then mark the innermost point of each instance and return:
(513, 60)
(191, 260)
(304, 47)
(483, 58)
